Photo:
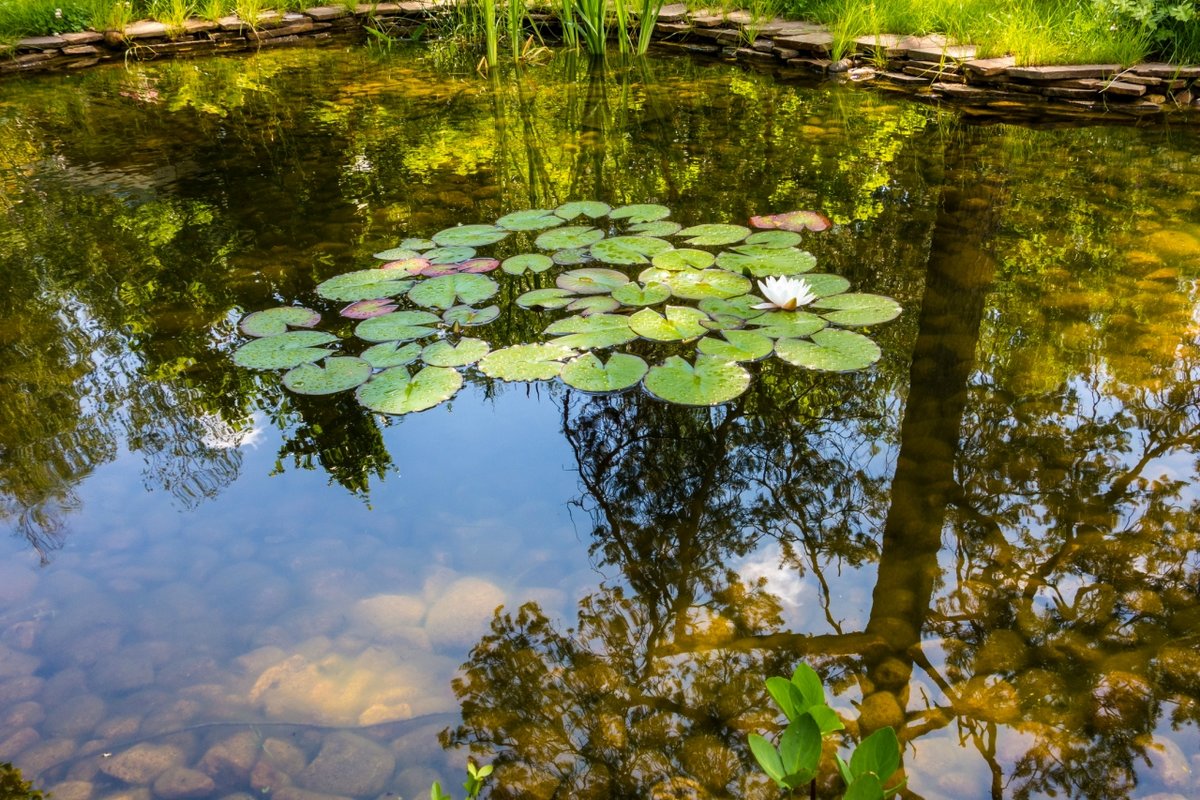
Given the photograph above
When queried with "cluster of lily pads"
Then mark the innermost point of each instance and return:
(625, 274)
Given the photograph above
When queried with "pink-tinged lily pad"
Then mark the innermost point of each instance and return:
(365, 309)
(479, 265)
(795, 221)
(413, 266)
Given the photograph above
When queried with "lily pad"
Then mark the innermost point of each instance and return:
(571, 256)
(546, 298)
(589, 374)
(740, 306)
(699, 284)
(471, 265)
(831, 350)
(593, 304)
(467, 316)
(449, 255)
(448, 290)
(714, 234)
(535, 219)
(398, 326)
(394, 391)
(762, 261)
(274, 321)
(397, 253)
(526, 362)
(444, 354)
(793, 221)
(737, 346)
(283, 350)
(571, 238)
(526, 262)
(628, 249)
(642, 212)
(338, 374)
(366, 309)
(855, 310)
(591, 280)
(469, 236)
(679, 323)
(413, 266)
(635, 294)
(777, 239)
(591, 209)
(825, 285)
(709, 382)
(787, 324)
(365, 284)
(414, 243)
(662, 227)
(595, 331)
(391, 354)
(684, 258)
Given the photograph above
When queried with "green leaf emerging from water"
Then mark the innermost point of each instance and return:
(273, 321)
(444, 354)
(830, 350)
(337, 374)
(526, 362)
(365, 284)
(708, 382)
(284, 350)
(447, 290)
(394, 391)
(589, 374)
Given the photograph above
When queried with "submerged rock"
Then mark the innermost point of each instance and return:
(230, 760)
(181, 783)
(142, 763)
(349, 764)
(462, 613)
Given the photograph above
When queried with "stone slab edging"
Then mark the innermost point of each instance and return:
(928, 68)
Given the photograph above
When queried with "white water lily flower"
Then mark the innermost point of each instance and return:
(785, 293)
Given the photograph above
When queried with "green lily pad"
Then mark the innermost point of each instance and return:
(574, 237)
(643, 212)
(526, 262)
(397, 253)
(591, 209)
(546, 298)
(679, 323)
(283, 350)
(338, 374)
(274, 321)
(591, 280)
(418, 244)
(535, 219)
(684, 258)
(776, 239)
(526, 362)
(589, 374)
(448, 290)
(737, 346)
(787, 324)
(662, 227)
(365, 309)
(449, 255)
(394, 391)
(825, 285)
(714, 234)
(593, 304)
(571, 256)
(391, 354)
(831, 350)
(634, 294)
(444, 354)
(469, 236)
(792, 221)
(399, 326)
(365, 284)
(762, 261)
(467, 316)
(855, 310)
(628, 249)
(741, 306)
(595, 331)
(699, 284)
(709, 382)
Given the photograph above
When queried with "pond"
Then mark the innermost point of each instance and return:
(212, 586)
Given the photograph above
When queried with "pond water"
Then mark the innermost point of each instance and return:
(212, 587)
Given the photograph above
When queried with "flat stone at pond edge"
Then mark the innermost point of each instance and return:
(1114, 87)
(816, 42)
(886, 44)
(81, 50)
(82, 37)
(1160, 70)
(989, 66)
(903, 79)
(41, 43)
(348, 764)
(1063, 72)
(323, 13)
(673, 12)
(181, 783)
(145, 29)
(951, 52)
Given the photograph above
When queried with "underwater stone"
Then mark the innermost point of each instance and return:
(231, 759)
(18, 742)
(349, 764)
(71, 790)
(44, 755)
(75, 716)
(142, 763)
(463, 612)
(181, 783)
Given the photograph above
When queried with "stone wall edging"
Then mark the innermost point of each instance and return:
(928, 68)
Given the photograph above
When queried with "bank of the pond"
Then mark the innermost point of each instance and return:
(930, 68)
